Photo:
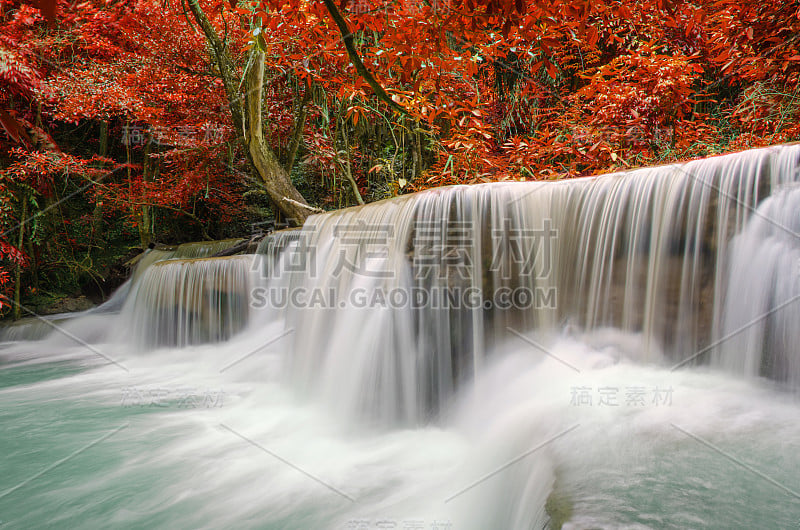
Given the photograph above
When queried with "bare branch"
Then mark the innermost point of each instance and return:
(347, 38)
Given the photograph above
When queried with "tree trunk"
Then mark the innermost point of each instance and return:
(146, 220)
(299, 126)
(104, 138)
(348, 169)
(97, 213)
(247, 122)
(18, 274)
(276, 179)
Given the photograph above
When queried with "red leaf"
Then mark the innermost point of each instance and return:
(551, 69)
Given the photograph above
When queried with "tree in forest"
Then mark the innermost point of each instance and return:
(247, 112)
(158, 135)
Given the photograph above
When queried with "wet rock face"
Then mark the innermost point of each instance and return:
(67, 305)
(683, 311)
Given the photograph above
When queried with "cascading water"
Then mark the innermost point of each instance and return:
(203, 249)
(189, 301)
(643, 252)
(517, 355)
(758, 319)
(42, 326)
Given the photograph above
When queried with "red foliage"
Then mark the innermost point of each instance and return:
(494, 89)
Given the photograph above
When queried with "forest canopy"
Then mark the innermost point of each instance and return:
(127, 123)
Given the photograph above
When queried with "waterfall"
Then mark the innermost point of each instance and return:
(758, 319)
(42, 327)
(275, 243)
(203, 249)
(393, 306)
(644, 251)
(432, 359)
(180, 302)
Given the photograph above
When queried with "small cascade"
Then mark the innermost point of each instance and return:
(37, 328)
(273, 244)
(29, 328)
(180, 302)
(759, 321)
(203, 249)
